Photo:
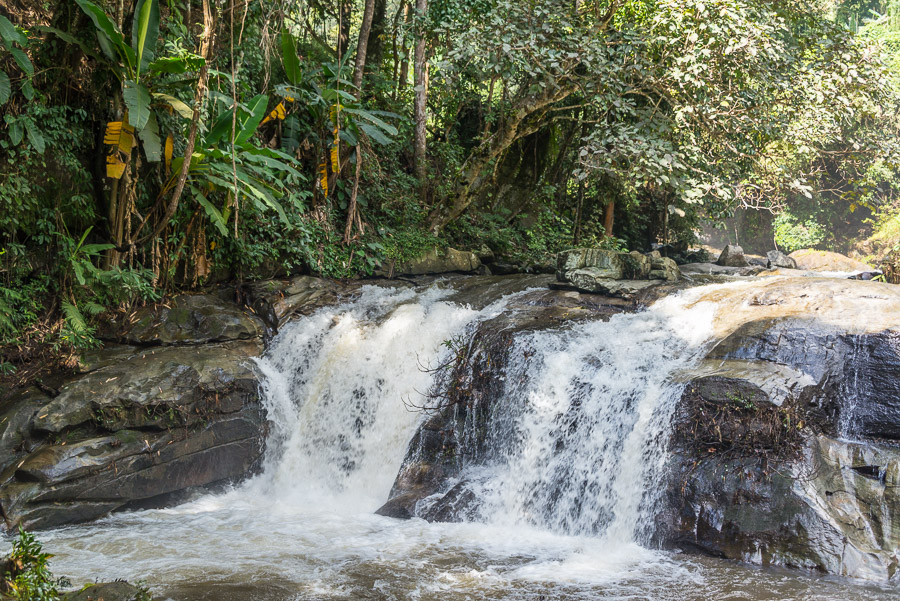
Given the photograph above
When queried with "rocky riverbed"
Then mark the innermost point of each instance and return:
(784, 451)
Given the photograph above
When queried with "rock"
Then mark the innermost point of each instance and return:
(602, 263)
(636, 266)
(108, 591)
(157, 389)
(714, 269)
(618, 274)
(153, 423)
(777, 259)
(823, 260)
(438, 261)
(664, 268)
(485, 254)
(188, 318)
(732, 256)
(836, 511)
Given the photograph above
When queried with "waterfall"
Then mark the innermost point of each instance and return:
(335, 385)
(575, 443)
(579, 436)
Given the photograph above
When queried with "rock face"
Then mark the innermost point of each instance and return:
(438, 261)
(140, 422)
(776, 259)
(763, 470)
(620, 274)
(823, 260)
(762, 466)
(732, 256)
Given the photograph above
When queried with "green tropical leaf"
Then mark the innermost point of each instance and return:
(74, 317)
(137, 99)
(5, 88)
(150, 138)
(16, 132)
(375, 133)
(34, 136)
(112, 42)
(22, 60)
(214, 215)
(176, 64)
(144, 33)
(180, 107)
(289, 58)
(10, 34)
(219, 128)
(27, 90)
(257, 112)
(387, 127)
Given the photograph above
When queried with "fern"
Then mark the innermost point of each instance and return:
(74, 318)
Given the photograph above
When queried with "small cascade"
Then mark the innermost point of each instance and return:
(579, 436)
(335, 387)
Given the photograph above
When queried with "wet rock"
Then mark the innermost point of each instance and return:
(835, 510)
(108, 591)
(188, 318)
(157, 389)
(155, 422)
(437, 261)
(732, 256)
(664, 268)
(823, 260)
(777, 259)
(715, 269)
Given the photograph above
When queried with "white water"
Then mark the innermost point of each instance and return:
(589, 412)
(566, 503)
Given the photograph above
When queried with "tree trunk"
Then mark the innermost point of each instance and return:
(470, 179)
(362, 45)
(421, 118)
(345, 13)
(608, 216)
(375, 44)
(404, 54)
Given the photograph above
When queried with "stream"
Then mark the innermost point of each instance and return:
(568, 494)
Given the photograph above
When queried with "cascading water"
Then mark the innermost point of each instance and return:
(589, 409)
(584, 421)
(335, 388)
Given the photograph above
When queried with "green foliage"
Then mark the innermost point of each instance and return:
(30, 578)
(13, 41)
(791, 234)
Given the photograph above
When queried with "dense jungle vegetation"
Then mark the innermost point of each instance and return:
(156, 145)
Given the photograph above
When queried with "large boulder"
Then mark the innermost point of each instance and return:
(177, 408)
(613, 273)
(437, 261)
(161, 421)
(602, 263)
(186, 319)
(732, 256)
(776, 259)
(823, 260)
(763, 470)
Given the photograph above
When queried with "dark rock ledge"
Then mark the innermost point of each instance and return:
(170, 404)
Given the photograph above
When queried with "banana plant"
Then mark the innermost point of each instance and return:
(136, 66)
(332, 106)
(219, 168)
